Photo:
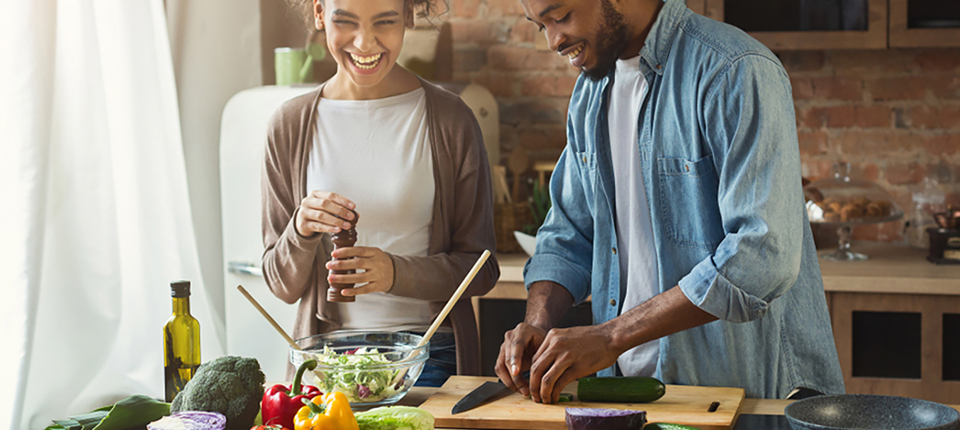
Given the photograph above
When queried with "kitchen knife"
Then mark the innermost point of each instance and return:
(478, 396)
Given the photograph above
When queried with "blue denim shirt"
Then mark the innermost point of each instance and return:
(721, 170)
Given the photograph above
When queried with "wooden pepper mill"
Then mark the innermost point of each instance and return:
(343, 239)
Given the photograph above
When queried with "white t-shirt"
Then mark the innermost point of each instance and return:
(636, 249)
(377, 154)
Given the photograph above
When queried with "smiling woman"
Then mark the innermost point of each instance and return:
(375, 140)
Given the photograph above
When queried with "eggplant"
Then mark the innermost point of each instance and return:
(604, 419)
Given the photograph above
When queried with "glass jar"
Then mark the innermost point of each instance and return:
(927, 200)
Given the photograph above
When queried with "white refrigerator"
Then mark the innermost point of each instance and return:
(243, 131)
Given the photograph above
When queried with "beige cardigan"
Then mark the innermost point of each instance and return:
(294, 265)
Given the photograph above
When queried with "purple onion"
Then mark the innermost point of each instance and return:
(362, 391)
(190, 420)
(604, 419)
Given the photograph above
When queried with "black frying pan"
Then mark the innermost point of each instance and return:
(862, 411)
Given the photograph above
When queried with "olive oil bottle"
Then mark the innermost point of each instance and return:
(181, 342)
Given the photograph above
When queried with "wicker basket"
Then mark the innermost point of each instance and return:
(507, 218)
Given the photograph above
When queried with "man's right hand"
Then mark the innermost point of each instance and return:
(324, 212)
(516, 353)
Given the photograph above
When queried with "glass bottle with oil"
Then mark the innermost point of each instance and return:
(181, 342)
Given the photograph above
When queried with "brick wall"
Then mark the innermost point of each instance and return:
(894, 114)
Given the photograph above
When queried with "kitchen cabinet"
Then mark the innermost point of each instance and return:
(896, 322)
(922, 23)
(851, 24)
(806, 24)
(895, 316)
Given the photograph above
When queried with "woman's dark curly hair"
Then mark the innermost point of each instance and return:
(422, 8)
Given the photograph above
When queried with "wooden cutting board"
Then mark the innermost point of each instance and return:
(681, 405)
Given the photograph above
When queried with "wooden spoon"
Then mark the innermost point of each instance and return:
(443, 313)
(320, 376)
(517, 163)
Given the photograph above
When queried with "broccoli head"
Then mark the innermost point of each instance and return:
(232, 386)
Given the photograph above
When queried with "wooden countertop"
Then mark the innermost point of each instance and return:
(418, 395)
(895, 269)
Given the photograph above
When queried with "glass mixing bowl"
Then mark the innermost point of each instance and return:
(370, 368)
(845, 202)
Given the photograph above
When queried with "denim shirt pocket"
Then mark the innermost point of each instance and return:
(688, 202)
(588, 170)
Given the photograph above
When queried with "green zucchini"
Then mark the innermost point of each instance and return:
(620, 389)
(667, 426)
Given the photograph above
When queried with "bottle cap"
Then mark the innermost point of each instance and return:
(180, 289)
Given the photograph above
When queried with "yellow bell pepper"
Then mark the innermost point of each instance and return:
(328, 412)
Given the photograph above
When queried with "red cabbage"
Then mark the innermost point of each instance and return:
(190, 420)
(604, 419)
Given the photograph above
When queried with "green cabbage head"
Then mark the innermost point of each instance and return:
(395, 418)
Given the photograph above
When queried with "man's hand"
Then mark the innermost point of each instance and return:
(546, 303)
(516, 355)
(567, 355)
(374, 267)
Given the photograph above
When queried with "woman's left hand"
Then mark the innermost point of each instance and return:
(376, 265)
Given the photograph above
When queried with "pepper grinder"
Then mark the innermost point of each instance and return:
(343, 239)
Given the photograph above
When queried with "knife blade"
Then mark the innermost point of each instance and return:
(479, 395)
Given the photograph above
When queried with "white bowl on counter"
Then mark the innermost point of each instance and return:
(526, 241)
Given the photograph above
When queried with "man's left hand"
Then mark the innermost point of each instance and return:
(567, 355)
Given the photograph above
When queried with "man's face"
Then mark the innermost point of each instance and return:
(591, 33)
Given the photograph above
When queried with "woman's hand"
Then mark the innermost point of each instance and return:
(376, 265)
(323, 212)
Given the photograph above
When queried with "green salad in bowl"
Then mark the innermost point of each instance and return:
(370, 368)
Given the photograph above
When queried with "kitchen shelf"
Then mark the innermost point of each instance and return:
(891, 269)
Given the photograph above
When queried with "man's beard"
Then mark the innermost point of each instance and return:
(611, 40)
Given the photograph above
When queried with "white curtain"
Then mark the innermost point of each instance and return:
(95, 212)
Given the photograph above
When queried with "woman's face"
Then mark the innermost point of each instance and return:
(363, 36)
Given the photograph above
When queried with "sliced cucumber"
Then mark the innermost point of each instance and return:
(620, 389)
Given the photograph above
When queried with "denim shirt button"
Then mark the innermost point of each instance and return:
(613, 302)
(659, 66)
(614, 250)
(584, 158)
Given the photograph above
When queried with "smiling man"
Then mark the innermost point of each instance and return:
(677, 207)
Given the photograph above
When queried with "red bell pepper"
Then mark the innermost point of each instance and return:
(281, 403)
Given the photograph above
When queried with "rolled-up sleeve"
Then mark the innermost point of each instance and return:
(749, 125)
(288, 257)
(564, 242)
